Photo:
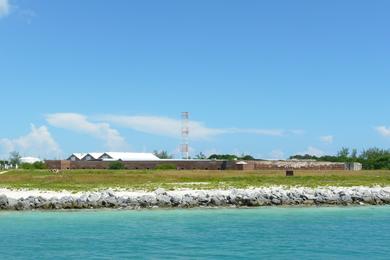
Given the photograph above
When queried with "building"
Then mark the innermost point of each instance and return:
(149, 161)
(112, 156)
(76, 157)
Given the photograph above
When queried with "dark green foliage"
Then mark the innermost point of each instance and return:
(304, 157)
(166, 166)
(2, 163)
(40, 165)
(230, 157)
(247, 158)
(14, 158)
(371, 159)
(117, 165)
(163, 154)
(201, 156)
(33, 166)
(375, 158)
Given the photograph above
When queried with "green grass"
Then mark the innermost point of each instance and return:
(78, 180)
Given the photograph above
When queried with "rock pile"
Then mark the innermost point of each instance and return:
(204, 198)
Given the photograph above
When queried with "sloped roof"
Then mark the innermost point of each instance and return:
(131, 156)
(94, 156)
(78, 155)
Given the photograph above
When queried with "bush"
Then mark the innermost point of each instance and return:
(33, 166)
(39, 165)
(27, 166)
(117, 165)
(166, 167)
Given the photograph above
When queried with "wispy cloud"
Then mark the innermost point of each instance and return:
(4, 8)
(327, 139)
(39, 142)
(165, 126)
(161, 126)
(80, 123)
(383, 130)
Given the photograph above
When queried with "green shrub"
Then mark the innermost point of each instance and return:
(117, 165)
(27, 166)
(39, 165)
(166, 166)
(33, 166)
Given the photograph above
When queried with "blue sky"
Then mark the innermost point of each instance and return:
(269, 78)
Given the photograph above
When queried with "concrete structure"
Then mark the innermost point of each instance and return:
(353, 166)
(202, 165)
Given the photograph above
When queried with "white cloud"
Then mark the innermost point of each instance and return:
(311, 150)
(4, 7)
(328, 139)
(38, 142)
(80, 123)
(162, 126)
(165, 126)
(383, 130)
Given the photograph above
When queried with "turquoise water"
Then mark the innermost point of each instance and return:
(281, 233)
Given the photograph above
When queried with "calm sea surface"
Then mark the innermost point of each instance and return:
(281, 233)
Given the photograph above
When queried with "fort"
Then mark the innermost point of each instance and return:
(204, 165)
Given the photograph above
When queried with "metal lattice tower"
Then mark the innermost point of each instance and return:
(185, 131)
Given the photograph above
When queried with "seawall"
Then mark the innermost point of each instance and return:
(272, 196)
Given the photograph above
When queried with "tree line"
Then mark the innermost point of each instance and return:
(371, 159)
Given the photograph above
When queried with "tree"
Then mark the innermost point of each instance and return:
(371, 159)
(354, 154)
(343, 153)
(200, 156)
(163, 154)
(14, 158)
(231, 157)
(375, 158)
(227, 157)
(117, 165)
(247, 157)
(303, 157)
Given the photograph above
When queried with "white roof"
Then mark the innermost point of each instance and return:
(132, 156)
(241, 163)
(94, 155)
(29, 160)
(78, 155)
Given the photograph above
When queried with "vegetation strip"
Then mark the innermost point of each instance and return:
(86, 180)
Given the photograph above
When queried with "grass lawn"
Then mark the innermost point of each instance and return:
(78, 180)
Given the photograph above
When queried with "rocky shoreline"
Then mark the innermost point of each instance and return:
(270, 196)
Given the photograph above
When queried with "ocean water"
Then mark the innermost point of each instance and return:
(261, 233)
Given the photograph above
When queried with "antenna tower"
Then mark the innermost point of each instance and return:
(185, 131)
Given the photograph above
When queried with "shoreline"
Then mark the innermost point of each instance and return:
(22, 200)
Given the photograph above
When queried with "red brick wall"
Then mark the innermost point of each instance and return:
(200, 165)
